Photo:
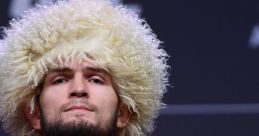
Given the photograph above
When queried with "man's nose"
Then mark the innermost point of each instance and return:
(79, 86)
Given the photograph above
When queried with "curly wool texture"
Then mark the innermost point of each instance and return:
(113, 37)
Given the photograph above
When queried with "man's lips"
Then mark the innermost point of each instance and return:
(78, 107)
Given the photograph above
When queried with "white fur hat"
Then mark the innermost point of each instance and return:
(114, 37)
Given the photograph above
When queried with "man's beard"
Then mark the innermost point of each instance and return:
(84, 128)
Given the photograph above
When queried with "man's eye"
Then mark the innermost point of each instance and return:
(59, 81)
(96, 81)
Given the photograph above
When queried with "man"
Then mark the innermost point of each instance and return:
(81, 67)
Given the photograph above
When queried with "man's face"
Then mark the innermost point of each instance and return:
(79, 95)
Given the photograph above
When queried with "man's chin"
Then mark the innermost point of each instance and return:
(76, 120)
(77, 125)
(74, 128)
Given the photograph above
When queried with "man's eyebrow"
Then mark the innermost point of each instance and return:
(95, 69)
(85, 69)
(57, 70)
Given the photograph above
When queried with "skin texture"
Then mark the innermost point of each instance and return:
(79, 93)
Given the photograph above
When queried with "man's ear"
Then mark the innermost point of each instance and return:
(124, 115)
(33, 116)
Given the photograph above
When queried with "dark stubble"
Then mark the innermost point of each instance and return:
(84, 128)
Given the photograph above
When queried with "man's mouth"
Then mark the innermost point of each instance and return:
(78, 108)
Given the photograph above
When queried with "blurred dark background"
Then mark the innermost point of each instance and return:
(214, 49)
